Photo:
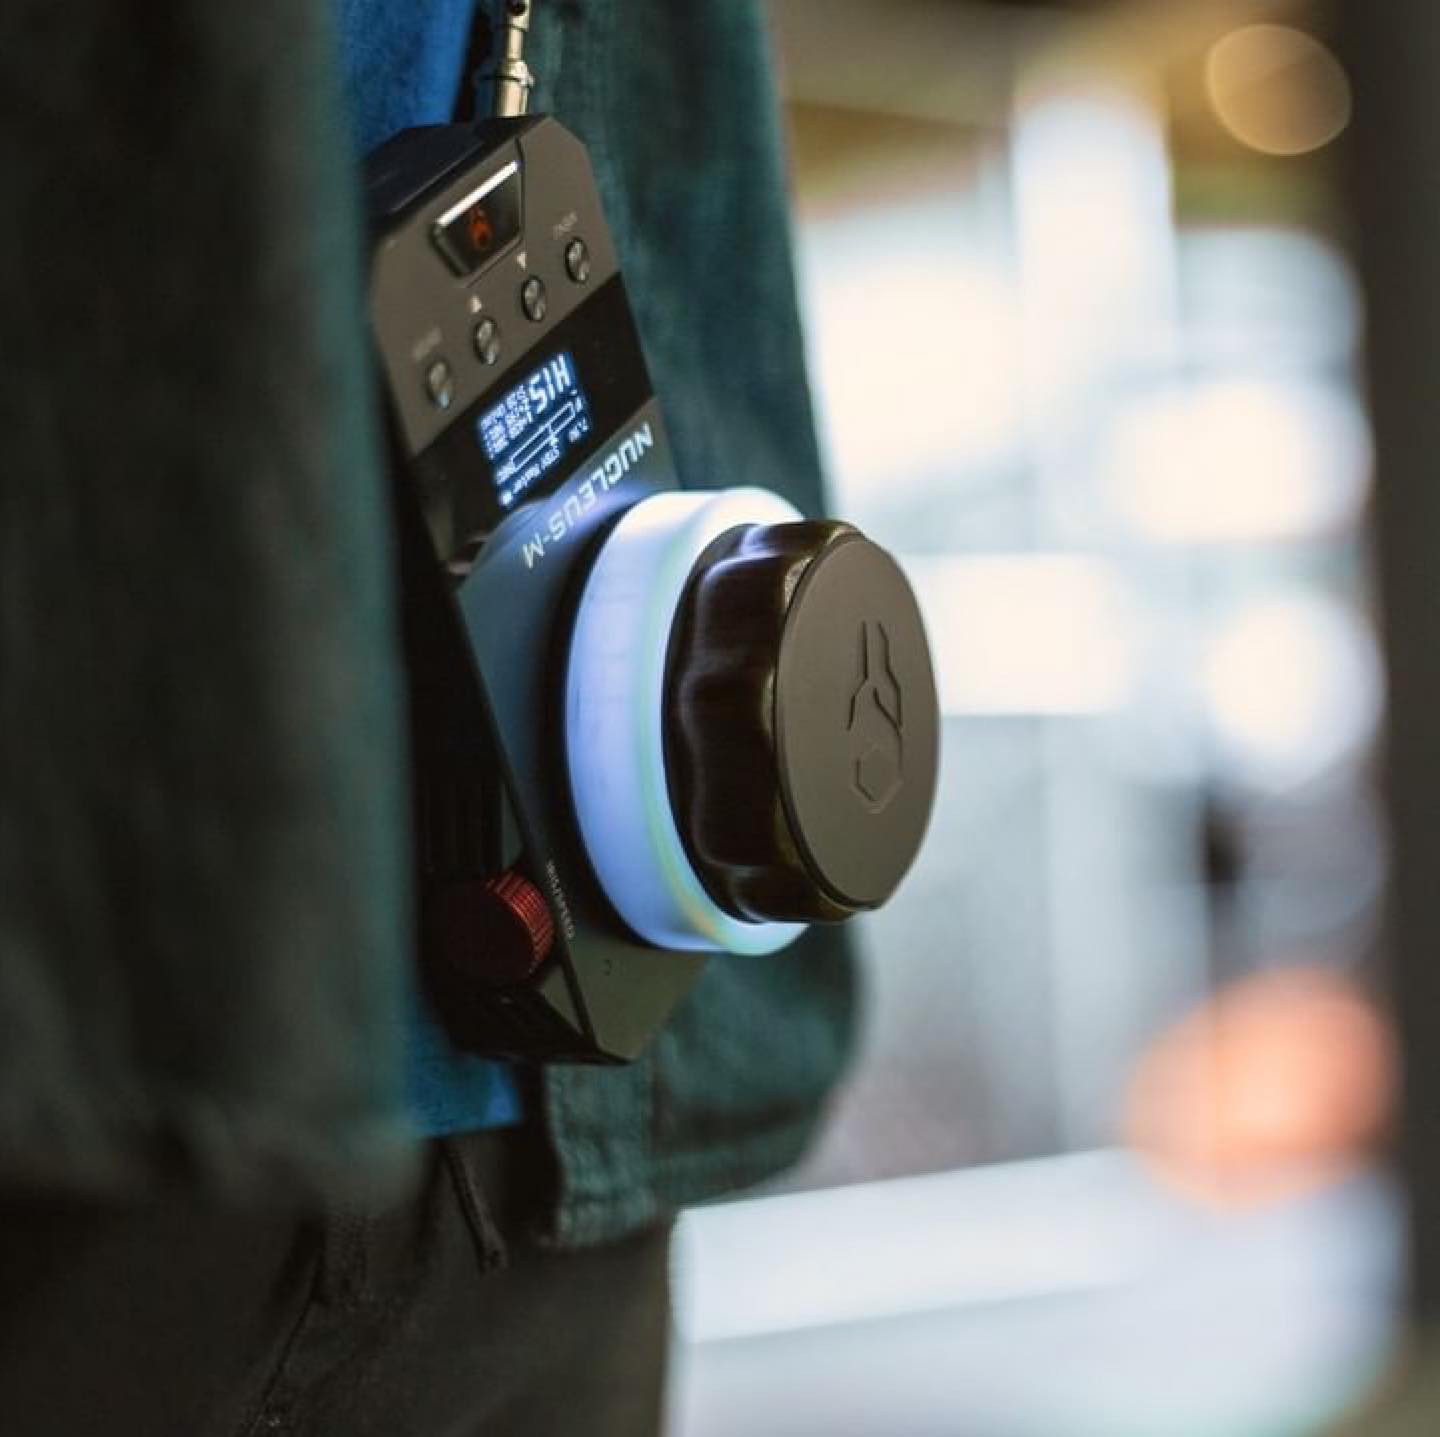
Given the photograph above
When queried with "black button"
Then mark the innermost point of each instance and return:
(487, 341)
(577, 261)
(440, 384)
(532, 298)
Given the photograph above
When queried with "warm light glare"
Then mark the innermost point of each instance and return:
(1021, 634)
(1094, 224)
(1277, 89)
(1292, 686)
(914, 342)
(1240, 460)
(1276, 1086)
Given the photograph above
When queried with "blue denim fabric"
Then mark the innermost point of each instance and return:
(401, 62)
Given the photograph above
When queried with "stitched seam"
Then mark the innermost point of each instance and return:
(490, 1248)
(269, 1413)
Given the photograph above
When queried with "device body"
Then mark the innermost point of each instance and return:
(493, 546)
(636, 741)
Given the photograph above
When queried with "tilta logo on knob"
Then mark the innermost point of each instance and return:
(876, 723)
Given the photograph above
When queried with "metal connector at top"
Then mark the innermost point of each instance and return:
(513, 79)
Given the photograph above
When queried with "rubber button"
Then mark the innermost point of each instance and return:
(440, 384)
(532, 298)
(577, 261)
(487, 341)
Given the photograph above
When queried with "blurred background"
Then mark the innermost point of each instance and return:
(1084, 331)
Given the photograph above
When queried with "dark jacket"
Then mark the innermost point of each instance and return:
(202, 873)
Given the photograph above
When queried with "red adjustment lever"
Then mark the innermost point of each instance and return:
(499, 928)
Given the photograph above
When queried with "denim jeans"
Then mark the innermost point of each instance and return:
(435, 1317)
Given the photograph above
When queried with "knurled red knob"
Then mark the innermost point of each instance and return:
(802, 728)
(499, 928)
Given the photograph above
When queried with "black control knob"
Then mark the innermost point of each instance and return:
(802, 728)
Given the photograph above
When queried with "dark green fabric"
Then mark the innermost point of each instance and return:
(202, 915)
(201, 835)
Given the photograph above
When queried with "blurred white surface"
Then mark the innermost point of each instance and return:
(1020, 634)
(1067, 1297)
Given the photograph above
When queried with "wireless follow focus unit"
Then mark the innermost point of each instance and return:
(649, 724)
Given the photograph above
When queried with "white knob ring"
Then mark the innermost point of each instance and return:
(615, 719)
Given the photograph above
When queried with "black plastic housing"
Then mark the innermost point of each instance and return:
(486, 588)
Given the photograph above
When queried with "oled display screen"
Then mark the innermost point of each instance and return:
(475, 230)
(532, 428)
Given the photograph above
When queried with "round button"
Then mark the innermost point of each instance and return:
(440, 384)
(532, 298)
(577, 261)
(487, 341)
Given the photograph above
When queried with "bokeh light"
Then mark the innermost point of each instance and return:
(1277, 89)
(1292, 685)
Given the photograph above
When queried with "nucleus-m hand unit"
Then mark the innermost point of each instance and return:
(649, 724)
